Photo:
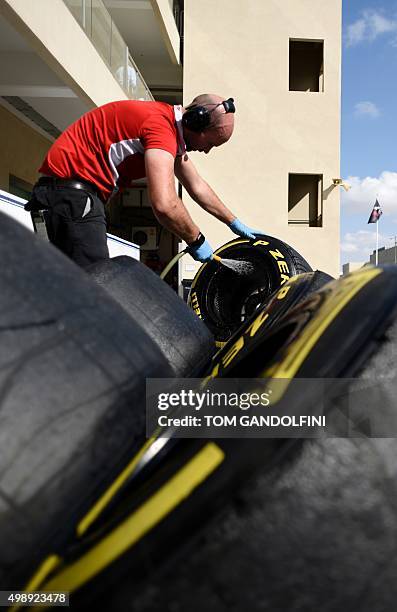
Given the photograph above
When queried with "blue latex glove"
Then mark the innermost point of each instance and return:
(202, 253)
(243, 230)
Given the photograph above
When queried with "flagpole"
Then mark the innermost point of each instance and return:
(377, 242)
(374, 218)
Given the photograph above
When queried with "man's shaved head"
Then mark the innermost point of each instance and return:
(221, 126)
(218, 116)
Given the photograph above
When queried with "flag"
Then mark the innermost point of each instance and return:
(376, 213)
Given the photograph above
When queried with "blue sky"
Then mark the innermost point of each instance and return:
(369, 124)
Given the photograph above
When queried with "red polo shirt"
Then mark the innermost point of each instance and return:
(106, 146)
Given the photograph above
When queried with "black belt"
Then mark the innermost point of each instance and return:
(52, 181)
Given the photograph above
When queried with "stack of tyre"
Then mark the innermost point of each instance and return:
(310, 525)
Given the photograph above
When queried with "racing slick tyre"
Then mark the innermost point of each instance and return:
(184, 340)
(318, 530)
(251, 333)
(224, 298)
(73, 366)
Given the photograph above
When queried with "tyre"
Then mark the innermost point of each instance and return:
(224, 298)
(255, 523)
(316, 529)
(73, 366)
(252, 332)
(257, 350)
(184, 340)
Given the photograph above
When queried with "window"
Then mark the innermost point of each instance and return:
(306, 65)
(305, 201)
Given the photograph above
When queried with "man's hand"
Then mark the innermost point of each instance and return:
(200, 249)
(244, 231)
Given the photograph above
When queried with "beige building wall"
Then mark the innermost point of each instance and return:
(385, 256)
(22, 151)
(163, 11)
(241, 49)
(53, 34)
(349, 267)
(51, 30)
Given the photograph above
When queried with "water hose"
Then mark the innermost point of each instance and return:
(172, 263)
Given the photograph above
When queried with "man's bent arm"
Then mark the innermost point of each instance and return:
(200, 191)
(167, 207)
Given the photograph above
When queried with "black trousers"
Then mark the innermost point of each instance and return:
(75, 221)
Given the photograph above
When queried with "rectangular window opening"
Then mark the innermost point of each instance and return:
(305, 200)
(306, 65)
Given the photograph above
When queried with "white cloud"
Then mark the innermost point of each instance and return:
(358, 246)
(378, 24)
(357, 203)
(355, 33)
(361, 197)
(366, 108)
(368, 27)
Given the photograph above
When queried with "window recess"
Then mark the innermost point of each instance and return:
(305, 201)
(306, 65)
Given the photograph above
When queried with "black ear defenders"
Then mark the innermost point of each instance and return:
(197, 118)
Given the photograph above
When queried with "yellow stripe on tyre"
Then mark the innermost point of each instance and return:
(145, 518)
(339, 297)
